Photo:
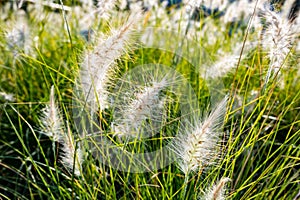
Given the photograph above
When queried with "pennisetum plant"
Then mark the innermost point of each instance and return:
(51, 120)
(72, 156)
(221, 67)
(217, 191)
(52, 126)
(98, 65)
(196, 145)
(277, 40)
(146, 103)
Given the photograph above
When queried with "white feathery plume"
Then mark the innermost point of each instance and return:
(196, 146)
(71, 153)
(276, 40)
(51, 120)
(146, 104)
(52, 125)
(227, 61)
(221, 67)
(100, 63)
(216, 192)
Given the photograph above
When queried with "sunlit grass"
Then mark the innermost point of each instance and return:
(259, 151)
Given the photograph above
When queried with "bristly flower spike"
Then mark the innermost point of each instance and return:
(216, 192)
(146, 104)
(72, 155)
(276, 40)
(51, 120)
(52, 126)
(196, 146)
(98, 65)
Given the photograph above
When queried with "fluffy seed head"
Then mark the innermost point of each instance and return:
(71, 156)
(51, 121)
(98, 65)
(221, 67)
(52, 125)
(276, 38)
(196, 146)
(216, 192)
(146, 104)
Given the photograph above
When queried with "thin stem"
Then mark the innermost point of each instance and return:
(186, 180)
